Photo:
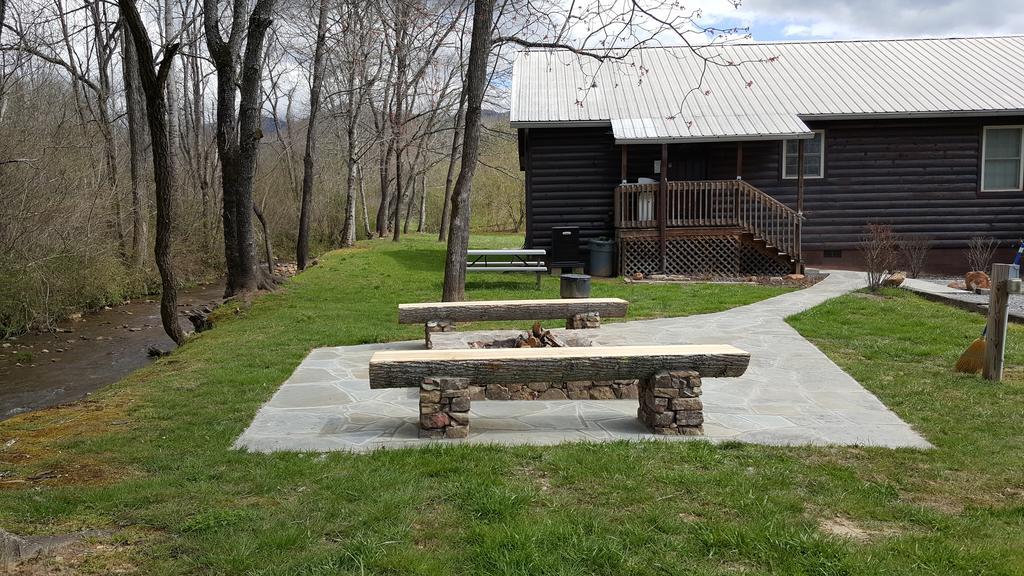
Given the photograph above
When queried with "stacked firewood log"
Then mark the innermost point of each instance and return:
(537, 337)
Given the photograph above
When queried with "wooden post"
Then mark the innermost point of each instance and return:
(663, 206)
(736, 187)
(995, 336)
(798, 258)
(625, 164)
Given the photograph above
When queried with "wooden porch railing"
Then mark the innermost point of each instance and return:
(711, 203)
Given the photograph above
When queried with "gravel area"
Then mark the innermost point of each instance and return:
(935, 286)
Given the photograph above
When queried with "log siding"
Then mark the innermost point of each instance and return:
(920, 175)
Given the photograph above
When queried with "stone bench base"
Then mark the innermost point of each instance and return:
(669, 401)
(444, 408)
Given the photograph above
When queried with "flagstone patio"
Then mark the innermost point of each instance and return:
(791, 394)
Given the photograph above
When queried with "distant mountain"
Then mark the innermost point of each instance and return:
(494, 115)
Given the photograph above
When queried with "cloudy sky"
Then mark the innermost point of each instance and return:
(844, 19)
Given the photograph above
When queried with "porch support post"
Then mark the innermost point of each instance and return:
(798, 257)
(739, 160)
(663, 206)
(625, 163)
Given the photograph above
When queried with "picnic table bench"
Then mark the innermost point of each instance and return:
(578, 312)
(669, 386)
(508, 260)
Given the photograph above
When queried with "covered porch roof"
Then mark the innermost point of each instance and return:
(737, 127)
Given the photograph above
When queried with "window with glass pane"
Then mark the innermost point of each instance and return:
(1001, 165)
(813, 157)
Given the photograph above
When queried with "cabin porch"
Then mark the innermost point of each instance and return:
(703, 227)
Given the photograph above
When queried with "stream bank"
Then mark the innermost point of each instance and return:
(43, 369)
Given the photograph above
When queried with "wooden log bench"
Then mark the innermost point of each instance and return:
(508, 260)
(578, 312)
(669, 379)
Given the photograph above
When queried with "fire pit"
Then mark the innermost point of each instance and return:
(537, 336)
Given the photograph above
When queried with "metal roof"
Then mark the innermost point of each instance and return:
(656, 94)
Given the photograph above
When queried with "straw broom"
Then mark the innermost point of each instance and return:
(973, 359)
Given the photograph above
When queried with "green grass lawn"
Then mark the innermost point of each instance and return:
(148, 460)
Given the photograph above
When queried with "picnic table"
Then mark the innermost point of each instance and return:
(508, 260)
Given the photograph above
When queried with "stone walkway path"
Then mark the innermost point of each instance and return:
(791, 394)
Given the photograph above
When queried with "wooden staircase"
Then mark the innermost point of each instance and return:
(711, 209)
(769, 250)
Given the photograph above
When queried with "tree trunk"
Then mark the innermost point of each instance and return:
(449, 178)
(348, 227)
(238, 136)
(153, 81)
(362, 200)
(173, 131)
(476, 85)
(267, 248)
(384, 158)
(399, 192)
(412, 199)
(136, 113)
(317, 81)
(421, 226)
(3, 13)
(106, 129)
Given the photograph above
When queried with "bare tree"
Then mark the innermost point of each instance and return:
(153, 78)
(316, 85)
(3, 14)
(197, 142)
(135, 112)
(453, 158)
(476, 80)
(239, 75)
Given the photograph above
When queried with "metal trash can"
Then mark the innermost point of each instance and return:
(602, 257)
(575, 286)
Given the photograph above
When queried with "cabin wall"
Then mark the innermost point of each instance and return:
(921, 176)
(570, 176)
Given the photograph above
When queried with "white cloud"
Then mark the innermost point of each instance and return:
(870, 18)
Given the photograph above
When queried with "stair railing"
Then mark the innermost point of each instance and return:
(708, 204)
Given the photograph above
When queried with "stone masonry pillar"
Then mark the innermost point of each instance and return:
(670, 403)
(444, 407)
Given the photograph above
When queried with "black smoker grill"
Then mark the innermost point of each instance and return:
(565, 247)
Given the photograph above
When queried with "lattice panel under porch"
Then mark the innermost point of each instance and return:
(639, 254)
(755, 263)
(703, 256)
(726, 256)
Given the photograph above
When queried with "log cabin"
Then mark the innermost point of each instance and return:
(761, 158)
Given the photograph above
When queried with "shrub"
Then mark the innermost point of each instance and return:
(914, 248)
(980, 250)
(878, 246)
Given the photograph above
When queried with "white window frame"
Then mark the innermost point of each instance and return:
(984, 142)
(821, 160)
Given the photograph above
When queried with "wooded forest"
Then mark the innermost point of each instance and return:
(374, 157)
(149, 145)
